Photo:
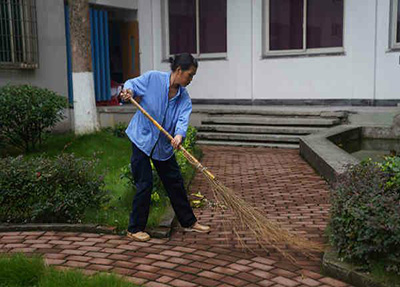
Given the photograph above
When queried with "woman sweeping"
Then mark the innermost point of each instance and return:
(164, 97)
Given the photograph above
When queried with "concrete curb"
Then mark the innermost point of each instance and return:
(162, 231)
(90, 228)
(324, 156)
(334, 267)
(165, 226)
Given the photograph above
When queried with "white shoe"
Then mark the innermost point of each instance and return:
(138, 236)
(197, 227)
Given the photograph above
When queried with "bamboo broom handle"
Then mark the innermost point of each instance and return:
(187, 154)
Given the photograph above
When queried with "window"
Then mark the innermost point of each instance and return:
(395, 42)
(18, 35)
(303, 26)
(195, 26)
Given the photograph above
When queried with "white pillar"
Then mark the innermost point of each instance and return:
(85, 112)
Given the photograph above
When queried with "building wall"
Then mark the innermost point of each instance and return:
(124, 4)
(387, 62)
(228, 79)
(365, 71)
(52, 71)
(348, 76)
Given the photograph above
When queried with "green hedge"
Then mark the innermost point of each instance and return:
(48, 190)
(26, 112)
(365, 213)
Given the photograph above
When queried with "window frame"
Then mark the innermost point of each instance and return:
(267, 53)
(197, 55)
(394, 45)
(29, 35)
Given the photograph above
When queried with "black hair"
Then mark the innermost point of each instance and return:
(184, 60)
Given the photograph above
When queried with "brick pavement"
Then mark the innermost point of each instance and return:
(276, 181)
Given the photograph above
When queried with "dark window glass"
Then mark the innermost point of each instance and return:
(182, 26)
(17, 28)
(5, 39)
(398, 22)
(212, 26)
(324, 23)
(286, 24)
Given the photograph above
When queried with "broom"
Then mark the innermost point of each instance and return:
(266, 233)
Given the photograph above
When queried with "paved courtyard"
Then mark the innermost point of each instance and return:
(278, 182)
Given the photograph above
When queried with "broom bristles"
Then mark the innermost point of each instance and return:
(266, 233)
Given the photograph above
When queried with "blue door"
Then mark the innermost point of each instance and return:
(100, 53)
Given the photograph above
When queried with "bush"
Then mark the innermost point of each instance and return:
(119, 130)
(365, 213)
(391, 166)
(190, 140)
(26, 112)
(48, 190)
(158, 192)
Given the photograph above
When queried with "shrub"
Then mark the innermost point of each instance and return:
(26, 112)
(119, 130)
(391, 166)
(365, 213)
(48, 190)
(158, 192)
(190, 140)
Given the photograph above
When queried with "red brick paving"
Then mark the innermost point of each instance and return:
(278, 182)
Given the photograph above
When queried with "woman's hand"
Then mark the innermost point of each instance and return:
(126, 95)
(176, 141)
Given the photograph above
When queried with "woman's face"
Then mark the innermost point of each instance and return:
(185, 77)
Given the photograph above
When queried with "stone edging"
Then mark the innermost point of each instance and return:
(162, 231)
(323, 155)
(334, 267)
(66, 227)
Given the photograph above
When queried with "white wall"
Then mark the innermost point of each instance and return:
(124, 4)
(245, 74)
(348, 76)
(52, 71)
(388, 62)
(226, 79)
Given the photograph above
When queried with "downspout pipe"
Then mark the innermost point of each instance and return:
(375, 54)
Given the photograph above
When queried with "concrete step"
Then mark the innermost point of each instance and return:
(259, 129)
(270, 121)
(249, 144)
(271, 110)
(249, 137)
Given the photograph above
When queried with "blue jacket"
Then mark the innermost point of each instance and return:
(173, 114)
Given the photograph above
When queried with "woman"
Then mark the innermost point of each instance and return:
(164, 97)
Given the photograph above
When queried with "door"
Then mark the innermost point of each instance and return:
(130, 50)
(100, 53)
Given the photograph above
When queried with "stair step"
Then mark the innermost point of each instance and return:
(269, 111)
(259, 129)
(276, 121)
(249, 137)
(248, 144)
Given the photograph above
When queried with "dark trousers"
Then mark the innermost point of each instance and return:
(172, 180)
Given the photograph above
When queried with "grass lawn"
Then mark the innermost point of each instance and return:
(113, 154)
(20, 271)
